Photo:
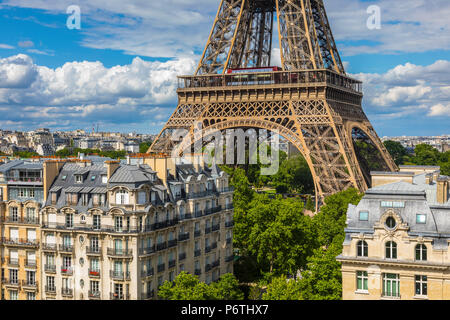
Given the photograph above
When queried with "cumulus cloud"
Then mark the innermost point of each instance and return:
(88, 91)
(408, 89)
(440, 110)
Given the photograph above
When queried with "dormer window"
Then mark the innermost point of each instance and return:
(78, 178)
(93, 178)
(64, 178)
(122, 197)
(104, 179)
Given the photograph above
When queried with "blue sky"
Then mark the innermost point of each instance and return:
(119, 70)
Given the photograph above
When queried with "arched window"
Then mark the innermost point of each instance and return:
(421, 252)
(391, 250)
(362, 249)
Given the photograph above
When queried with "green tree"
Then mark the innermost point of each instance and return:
(323, 278)
(278, 234)
(144, 146)
(310, 204)
(330, 221)
(282, 288)
(227, 288)
(396, 150)
(25, 154)
(445, 168)
(294, 175)
(188, 287)
(425, 155)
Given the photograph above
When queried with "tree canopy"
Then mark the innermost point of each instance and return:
(188, 287)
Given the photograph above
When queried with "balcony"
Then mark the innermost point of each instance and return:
(31, 285)
(198, 214)
(30, 264)
(182, 256)
(119, 296)
(208, 267)
(215, 263)
(197, 233)
(161, 246)
(197, 195)
(148, 295)
(13, 262)
(172, 243)
(208, 249)
(50, 268)
(229, 240)
(49, 247)
(172, 263)
(228, 189)
(93, 251)
(216, 227)
(95, 295)
(213, 210)
(229, 224)
(147, 273)
(11, 283)
(65, 248)
(198, 272)
(50, 289)
(161, 267)
(229, 258)
(183, 236)
(18, 220)
(208, 230)
(67, 292)
(18, 242)
(186, 216)
(120, 275)
(67, 271)
(148, 250)
(94, 273)
(121, 253)
(197, 253)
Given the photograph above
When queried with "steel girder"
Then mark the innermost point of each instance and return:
(242, 36)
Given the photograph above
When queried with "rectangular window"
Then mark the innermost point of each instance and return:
(51, 283)
(421, 285)
(391, 285)
(96, 221)
(421, 218)
(118, 224)
(31, 296)
(13, 214)
(13, 295)
(363, 215)
(398, 204)
(386, 204)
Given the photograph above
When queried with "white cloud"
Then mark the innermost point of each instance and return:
(25, 44)
(89, 91)
(440, 110)
(408, 90)
(17, 72)
(6, 46)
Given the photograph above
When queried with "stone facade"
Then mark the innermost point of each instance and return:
(397, 240)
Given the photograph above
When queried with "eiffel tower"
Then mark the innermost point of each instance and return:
(310, 100)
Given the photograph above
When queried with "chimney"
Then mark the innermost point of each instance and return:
(429, 179)
(442, 190)
(51, 170)
(163, 165)
(111, 167)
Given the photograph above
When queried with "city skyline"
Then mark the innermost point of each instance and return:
(128, 57)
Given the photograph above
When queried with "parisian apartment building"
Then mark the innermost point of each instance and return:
(102, 229)
(397, 238)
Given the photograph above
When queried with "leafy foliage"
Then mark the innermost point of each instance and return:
(282, 288)
(25, 154)
(396, 150)
(75, 151)
(188, 287)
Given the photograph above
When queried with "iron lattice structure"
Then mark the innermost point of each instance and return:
(311, 102)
